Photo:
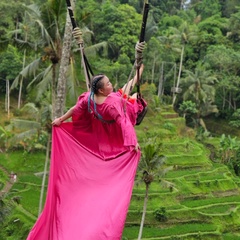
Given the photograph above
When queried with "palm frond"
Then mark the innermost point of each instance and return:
(23, 124)
(43, 86)
(40, 77)
(29, 70)
(33, 10)
(17, 138)
(46, 113)
(91, 51)
(31, 109)
(24, 44)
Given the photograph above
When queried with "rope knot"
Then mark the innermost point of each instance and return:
(77, 34)
(139, 53)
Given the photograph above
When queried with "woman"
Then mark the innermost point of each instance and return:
(116, 109)
(93, 164)
(102, 88)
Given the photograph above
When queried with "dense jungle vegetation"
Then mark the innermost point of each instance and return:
(192, 51)
(191, 59)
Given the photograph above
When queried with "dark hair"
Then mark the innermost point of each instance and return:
(97, 83)
(95, 86)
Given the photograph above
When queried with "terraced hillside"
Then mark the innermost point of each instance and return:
(204, 202)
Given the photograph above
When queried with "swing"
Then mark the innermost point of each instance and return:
(140, 99)
(138, 59)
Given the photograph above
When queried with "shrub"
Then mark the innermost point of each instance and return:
(160, 214)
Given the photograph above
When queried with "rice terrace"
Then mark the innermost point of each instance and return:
(202, 201)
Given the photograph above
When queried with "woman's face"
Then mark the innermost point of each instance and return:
(107, 86)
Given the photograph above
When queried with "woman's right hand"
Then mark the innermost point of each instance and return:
(57, 122)
(137, 147)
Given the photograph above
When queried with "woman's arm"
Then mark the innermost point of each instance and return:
(64, 117)
(127, 88)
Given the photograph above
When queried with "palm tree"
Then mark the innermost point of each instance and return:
(182, 36)
(201, 91)
(50, 50)
(24, 40)
(49, 42)
(151, 166)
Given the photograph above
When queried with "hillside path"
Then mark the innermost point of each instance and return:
(8, 184)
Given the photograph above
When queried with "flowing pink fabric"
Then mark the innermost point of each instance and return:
(91, 177)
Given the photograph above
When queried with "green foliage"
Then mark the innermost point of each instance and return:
(9, 11)
(160, 214)
(235, 119)
(151, 162)
(114, 28)
(229, 7)
(10, 65)
(228, 148)
(207, 8)
(170, 21)
(5, 135)
(149, 93)
(170, 126)
(187, 108)
(174, 231)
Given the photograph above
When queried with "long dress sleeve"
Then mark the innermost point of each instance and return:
(107, 139)
(118, 112)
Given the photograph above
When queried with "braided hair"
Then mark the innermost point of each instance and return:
(95, 86)
(97, 83)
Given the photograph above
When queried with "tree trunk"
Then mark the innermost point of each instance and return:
(144, 212)
(153, 68)
(44, 175)
(160, 85)
(62, 78)
(21, 81)
(179, 74)
(7, 101)
(54, 92)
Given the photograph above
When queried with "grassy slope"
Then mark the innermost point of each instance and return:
(204, 203)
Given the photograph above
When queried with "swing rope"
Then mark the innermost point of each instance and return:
(77, 34)
(137, 64)
(139, 55)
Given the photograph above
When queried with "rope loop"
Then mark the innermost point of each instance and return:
(139, 53)
(77, 34)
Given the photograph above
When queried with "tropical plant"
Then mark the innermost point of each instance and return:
(228, 148)
(206, 8)
(160, 214)
(42, 126)
(48, 23)
(235, 119)
(10, 65)
(29, 134)
(224, 62)
(151, 166)
(182, 36)
(5, 135)
(187, 108)
(201, 91)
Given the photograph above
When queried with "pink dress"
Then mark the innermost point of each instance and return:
(111, 137)
(93, 165)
